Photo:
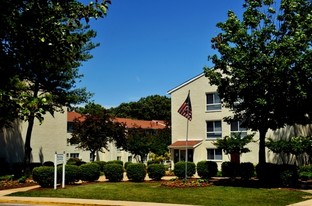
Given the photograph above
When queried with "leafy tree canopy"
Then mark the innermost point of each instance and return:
(42, 45)
(96, 129)
(153, 107)
(263, 69)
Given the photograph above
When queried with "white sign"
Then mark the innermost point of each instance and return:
(59, 159)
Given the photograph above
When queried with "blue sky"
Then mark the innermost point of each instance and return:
(148, 47)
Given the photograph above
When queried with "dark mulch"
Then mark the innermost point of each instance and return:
(11, 184)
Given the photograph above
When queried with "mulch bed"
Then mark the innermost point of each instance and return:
(11, 184)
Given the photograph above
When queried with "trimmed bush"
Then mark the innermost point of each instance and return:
(179, 169)
(72, 173)
(156, 171)
(75, 161)
(149, 162)
(246, 170)
(89, 172)
(101, 164)
(277, 175)
(113, 172)
(305, 176)
(207, 169)
(305, 172)
(48, 163)
(44, 176)
(230, 169)
(116, 162)
(126, 164)
(136, 172)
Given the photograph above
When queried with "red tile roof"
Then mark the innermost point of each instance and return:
(144, 124)
(182, 144)
(129, 123)
(71, 116)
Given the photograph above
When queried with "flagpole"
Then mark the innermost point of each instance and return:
(186, 153)
(186, 111)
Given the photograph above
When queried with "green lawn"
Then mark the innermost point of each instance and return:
(154, 192)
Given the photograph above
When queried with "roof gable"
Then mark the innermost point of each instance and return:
(186, 83)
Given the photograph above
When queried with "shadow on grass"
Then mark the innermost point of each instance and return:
(256, 183)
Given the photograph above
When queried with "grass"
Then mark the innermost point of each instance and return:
(154, 192)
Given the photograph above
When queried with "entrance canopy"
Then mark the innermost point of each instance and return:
(180, 144)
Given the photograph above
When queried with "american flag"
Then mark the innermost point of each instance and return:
(186, 108)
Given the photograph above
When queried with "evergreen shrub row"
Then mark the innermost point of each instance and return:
(245, 170)
(44, 175)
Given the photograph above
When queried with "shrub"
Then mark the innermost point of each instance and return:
(207, 169)
(149, 162)
(305, 176)
(156, 171)
(48, 164)
(89, 172)
(116, 162)
(246, 170)
(113, 172)
(126, 165)
(136, 172)
(72, 173)
(179, 169)
(230, 169)
(305, 172)
(44, 176)
(277, 175)
(75, 161)
(101, 164)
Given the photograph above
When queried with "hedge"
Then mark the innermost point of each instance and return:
(136, 172)
(179, 169)
(44, 176)
(89, 172)
(156, 171)
(207, 169)
(113, 172)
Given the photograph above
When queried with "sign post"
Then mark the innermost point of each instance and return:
(59, 159)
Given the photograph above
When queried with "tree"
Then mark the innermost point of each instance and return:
(45, 41)
(153, 107)
(160, 141)
(263, 69)
(234, 144)
(138, 143)
(95, 129)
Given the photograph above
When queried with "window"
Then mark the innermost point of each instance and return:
(214, 154)
(129, 158)
(214, 129)
(213, 102)
(119, 158)
(74, 155)
(70, 126)
(237, 129)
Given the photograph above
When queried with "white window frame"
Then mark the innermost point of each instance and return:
(241, 130)
(74, 155)
(214, 132)
(214, 154)
(216, 106)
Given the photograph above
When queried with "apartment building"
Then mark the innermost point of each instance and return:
(52, 136)
(207, 125)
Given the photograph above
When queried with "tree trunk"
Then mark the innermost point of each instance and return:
(235, 157)
(27, 146)
(262, 155)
